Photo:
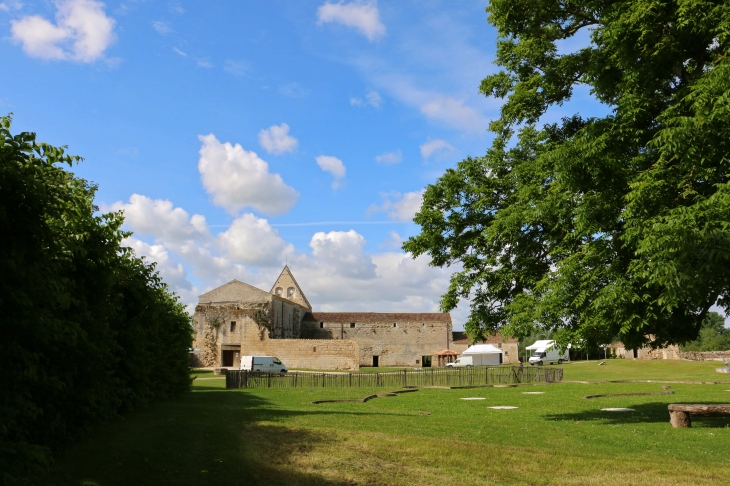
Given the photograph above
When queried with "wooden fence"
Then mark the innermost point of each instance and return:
(404, 378)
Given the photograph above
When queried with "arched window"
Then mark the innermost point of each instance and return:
(279, 291)
(290, 292)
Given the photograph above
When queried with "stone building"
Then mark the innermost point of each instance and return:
(509, 346)
(384, 338)
(237, 319)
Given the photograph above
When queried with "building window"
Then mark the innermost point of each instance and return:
(278, 291)
(352, 325)
(321, 325)
(290, 292)
(418, 361)
(233, 326)
(314, 349)
(395, 325)
(506, 353)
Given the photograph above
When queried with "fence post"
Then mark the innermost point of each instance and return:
(405, 380)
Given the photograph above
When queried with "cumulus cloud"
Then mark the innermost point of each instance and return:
(82, 32)
(159, 219)
(253, 241)
(399, 207)
(364, 17)
(453, 112)
(389, 158)
(436, 146)
(172, 272)
(237, 178)
(341, 253)
(334, 166)
(276, 139)
(372, 98)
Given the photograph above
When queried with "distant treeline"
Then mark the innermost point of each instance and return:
(87, 330)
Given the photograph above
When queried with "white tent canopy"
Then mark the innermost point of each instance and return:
(484, 355)
(482, 349)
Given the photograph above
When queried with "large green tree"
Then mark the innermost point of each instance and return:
(603, 226)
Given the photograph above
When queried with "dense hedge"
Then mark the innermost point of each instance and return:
(87, 330)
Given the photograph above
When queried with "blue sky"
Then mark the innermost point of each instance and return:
(238, 136)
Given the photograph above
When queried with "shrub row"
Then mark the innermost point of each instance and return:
(87, 330)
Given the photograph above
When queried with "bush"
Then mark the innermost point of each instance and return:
(89, 331)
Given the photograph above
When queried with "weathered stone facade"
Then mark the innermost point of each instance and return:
(237, 319)
(384, 339)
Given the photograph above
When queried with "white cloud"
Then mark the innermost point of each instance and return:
(372, 98)
(162, 27)
(175, 7)
(159, 219)
(334, 166)
(253, 241)
(8, 6)
(399, 207)
(179, 52)
(172, 272)
(237, 178)
(236, 68)
(389, 158)
(276, 139)
(341, 253)
(82, 32)
(436, 146)
(364, 17)
(204, 63)
(453, 112)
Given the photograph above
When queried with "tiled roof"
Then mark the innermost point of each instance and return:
(377, 317)
(460, 337)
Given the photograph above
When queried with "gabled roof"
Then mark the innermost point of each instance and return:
(235, 291)
(287, 275)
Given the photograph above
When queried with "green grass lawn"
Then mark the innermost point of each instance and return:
(277, 436)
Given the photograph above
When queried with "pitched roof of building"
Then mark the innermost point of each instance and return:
(377, 316)
(460, 337)
(235, 291)
(286, 273)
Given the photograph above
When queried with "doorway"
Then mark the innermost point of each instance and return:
(425, 361)
(375, 361)
(228, 357)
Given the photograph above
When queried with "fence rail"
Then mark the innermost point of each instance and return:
(403, 378)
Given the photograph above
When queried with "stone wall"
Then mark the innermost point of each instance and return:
(394, 342)
(705, 355)
(318, 354)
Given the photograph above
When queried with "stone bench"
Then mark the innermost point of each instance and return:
(679, 413)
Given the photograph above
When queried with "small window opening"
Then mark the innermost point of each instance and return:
(279, 291)
(233, 326)
(395, 325)
(290, 292)
(418, 361)
(314, 349)
(321, 325)
(352, 325)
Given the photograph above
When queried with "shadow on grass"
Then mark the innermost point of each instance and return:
(643, 413)
(205, 438)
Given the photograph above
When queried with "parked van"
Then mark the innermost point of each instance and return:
(546, 352)
(464, 361)
(265, 364)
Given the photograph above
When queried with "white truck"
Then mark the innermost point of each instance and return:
(546, 351)
(464, 361)
(264, 364)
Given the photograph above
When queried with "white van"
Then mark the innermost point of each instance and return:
(265, 364)
(464, 361)
(546, 352)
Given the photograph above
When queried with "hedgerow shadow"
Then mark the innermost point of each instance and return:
(214, 437)
(654, 412)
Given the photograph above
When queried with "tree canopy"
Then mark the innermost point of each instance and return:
(602, 226)
(88, 330)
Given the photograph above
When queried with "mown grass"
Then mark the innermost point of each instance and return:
(277, 436)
